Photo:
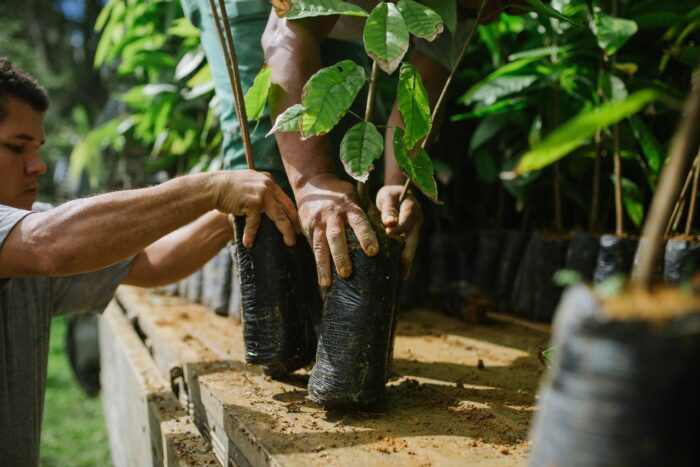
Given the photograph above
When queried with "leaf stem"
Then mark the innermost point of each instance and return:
(362, 189)
(440, 102)
(223, 28)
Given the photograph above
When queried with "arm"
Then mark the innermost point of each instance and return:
(180, 253)
(326, 203)
(407, 218)
(90, 234)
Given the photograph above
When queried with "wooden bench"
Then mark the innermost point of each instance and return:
(461, 393)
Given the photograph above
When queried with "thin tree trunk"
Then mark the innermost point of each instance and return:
(693, 197)
(684, 145)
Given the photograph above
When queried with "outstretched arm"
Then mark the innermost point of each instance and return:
(90, 234)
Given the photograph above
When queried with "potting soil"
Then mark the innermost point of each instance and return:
(355, 341)
(277, 328)
(514, 245)
(216, 283)
(622, 392)
(551, 257)
(487, 260)
(681, 260)
(582, 255)
(615, 256)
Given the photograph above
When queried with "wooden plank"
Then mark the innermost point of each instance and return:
(461, 394)
(146, 424)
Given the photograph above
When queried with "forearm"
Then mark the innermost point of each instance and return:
(92, 233)
(292, 52)
(180, 253)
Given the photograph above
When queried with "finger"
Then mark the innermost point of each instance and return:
(252, 224)
(276, 213)
(289, 208)
(388, 205)
(409, 251)
(335, 233)
(323, 258)
(363, 231)
(409, 215)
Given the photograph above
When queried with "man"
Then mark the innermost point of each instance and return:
(72, 258)
(295, 50)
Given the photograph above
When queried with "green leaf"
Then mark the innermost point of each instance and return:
(650, 145)
(256, 97)
(546, 11)
(508, 105)
(578, 130)
(312, 8)
(418, 170)
(203, 76)
(182, 27)
(487, 129)
(414, 106)
(386, 36)
(612, 33)
(328, 94)
(361, 145)
(614, 89)
(489, 92)
(632, 199)
(420, 20)
(289, 120)
(88, 153)
(447, 9)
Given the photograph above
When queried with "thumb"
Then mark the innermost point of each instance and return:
(388, 205)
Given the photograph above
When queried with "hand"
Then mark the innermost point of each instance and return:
(326, 204)
(249, 193)
(404, 219)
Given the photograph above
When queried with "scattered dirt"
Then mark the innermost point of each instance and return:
(461, 394)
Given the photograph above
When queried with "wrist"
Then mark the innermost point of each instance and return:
(207, 183)
(314, 180)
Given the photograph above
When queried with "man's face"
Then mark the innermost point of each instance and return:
(21, 136)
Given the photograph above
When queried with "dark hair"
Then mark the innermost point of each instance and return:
(20, 85)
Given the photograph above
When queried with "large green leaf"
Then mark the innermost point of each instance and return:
(310, 8)
(361, 145)
(447, 9)
(578, 130)
(414, 106)
(420, 20)
(418, 170)
(612, 33)
(328, 94)
(386, 36)
(650, 145)
(256, 97)
(289, 120)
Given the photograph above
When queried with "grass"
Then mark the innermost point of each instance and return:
(73, 431)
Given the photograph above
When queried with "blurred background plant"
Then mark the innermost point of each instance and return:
(541, 109)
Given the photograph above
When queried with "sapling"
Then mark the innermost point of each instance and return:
(359, 317)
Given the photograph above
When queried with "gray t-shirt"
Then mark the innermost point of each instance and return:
(26, 308)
